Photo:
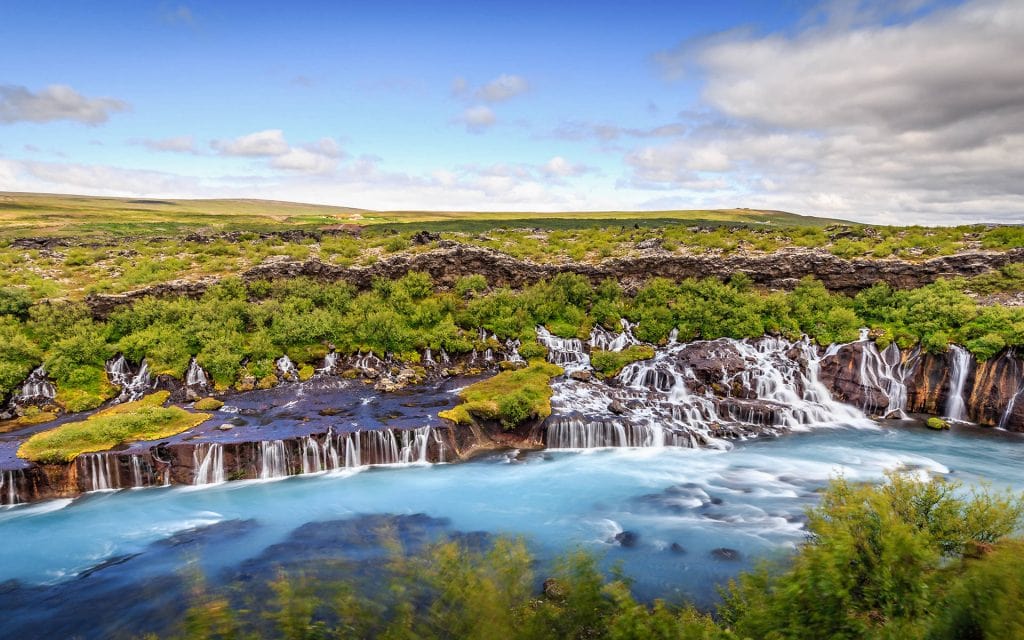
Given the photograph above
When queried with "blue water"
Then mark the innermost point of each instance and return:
(750, 499)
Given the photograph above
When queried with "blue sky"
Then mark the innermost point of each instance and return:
(850, 107)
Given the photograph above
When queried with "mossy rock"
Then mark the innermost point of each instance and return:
(937, 423)
(208, 404)
(267, 382)
(306, 372)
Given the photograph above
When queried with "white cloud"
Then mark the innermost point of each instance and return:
(304, 160)
(502, 88)
(477, 119)
(176, 144)
(919, 120)
(559, 167)
(266, 143)
(55, 102)
(321, 156)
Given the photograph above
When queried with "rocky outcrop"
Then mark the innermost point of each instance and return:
(450, 261)
(917, 382)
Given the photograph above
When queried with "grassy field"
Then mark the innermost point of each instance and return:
(35, 214)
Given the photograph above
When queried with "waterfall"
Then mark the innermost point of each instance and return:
(368, 362)
(273, 459)
(208, 462)
(100, 471)
(445, 360)
(1008, 411)
(137, 477)
(286, 368)
(601, 338)
(565, 352)
(512, 351)
(37, 386)
(888, 372)
(195, 376)
(363, 448)
(133, 385)
(330, 363)
(9, 487)
(428, 359)
(693, 394)
(959, 367)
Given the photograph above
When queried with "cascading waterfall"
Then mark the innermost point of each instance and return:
(37, 386)
(333, 451)
(100, 470)
(330, 364)
(195, 377)
(208, 462)
(512, 351)
(137, 471)
(287, 369)
(428, 358)
(368, 362)
(273, 459)
(568, 353)
(9, 487)
(887, 371)
(133, 385)
(959, 367)
(741, 387)
(445, 360)
(601, 338)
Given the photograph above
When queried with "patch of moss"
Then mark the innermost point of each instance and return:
(144, 419)
(512, 397)
(306, 372)
(27, 420)
(608, 364)
(208, 404)
(937, 423)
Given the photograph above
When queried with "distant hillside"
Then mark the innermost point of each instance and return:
(36, 214)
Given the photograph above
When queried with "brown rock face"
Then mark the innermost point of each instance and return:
(991, 389)
(448, 263)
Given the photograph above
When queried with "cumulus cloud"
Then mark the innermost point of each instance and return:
(478, 118)
(879, 121)
(176, 144)
(55, 102)
(502, 88)
(559, 167)
(321, 156)
(266, 143)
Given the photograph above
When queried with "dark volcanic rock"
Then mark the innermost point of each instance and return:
(627, 539)
(775, 270)
(725, 553)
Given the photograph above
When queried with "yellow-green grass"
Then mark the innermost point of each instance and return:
(29, 419)
(608, 364)
(511, 397)
(144, 419)
(39, 214)
(208, 404)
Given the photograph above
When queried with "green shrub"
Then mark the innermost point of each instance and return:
(608, 364)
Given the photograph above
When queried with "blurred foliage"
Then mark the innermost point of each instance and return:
(910, 559)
